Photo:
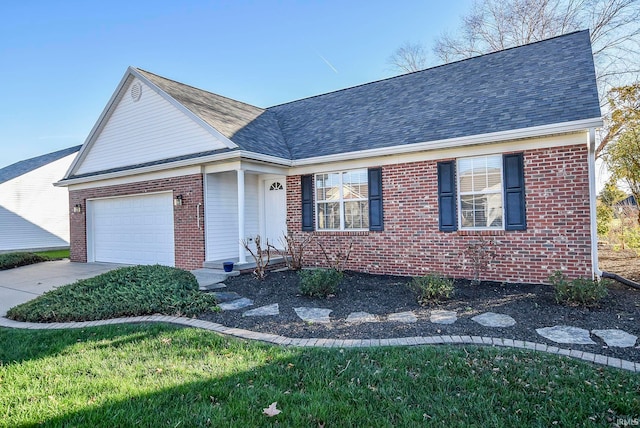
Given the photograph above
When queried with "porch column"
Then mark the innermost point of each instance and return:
(242, 258)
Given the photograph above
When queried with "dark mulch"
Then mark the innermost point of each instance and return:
(532, 306)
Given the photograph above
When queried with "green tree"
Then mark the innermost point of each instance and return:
(611, 194)
(623, 160)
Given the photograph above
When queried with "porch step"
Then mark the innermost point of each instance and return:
(239, 267)
(211, 279)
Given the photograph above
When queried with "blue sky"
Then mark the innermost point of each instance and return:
(60, 61)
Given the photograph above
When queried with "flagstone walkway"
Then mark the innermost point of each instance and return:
(558, 334)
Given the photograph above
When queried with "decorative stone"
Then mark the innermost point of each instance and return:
(616, 338)
(318, 315)
(262, 311)
(235, 304)
(361, 317)
(566, 334)
(226, 296)
(405, 317)
(491, 319)
(443, 317)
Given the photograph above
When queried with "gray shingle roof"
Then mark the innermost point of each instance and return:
(547, 82)
(543, 83)
(251, 128)
(20, 168)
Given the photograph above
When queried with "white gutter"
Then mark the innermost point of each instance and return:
(591, 145)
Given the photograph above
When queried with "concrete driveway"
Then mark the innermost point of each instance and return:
(22, 284)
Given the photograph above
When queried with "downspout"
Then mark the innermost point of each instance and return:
(591, 145)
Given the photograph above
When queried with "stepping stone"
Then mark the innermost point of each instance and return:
(405, 317)
(263, 311)
(616, 338)
(361, 317)
(226, 296)
(491, 319)
(211, 287)
(208, 277)
(235, 304)
(566, 334)
(313, 314)
(443, 317)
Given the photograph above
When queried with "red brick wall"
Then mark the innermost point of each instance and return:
(557, 236)
(189, 239)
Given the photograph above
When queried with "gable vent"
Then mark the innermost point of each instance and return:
(136, 91)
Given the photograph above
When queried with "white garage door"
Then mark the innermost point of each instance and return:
(132, 230)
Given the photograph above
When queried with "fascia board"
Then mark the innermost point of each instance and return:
(235, 155)
(494, 137)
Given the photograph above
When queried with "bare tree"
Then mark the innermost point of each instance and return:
(494, 25)
(409, 57)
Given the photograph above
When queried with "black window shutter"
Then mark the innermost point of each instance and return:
(447, 196)
(375, 200)
(307, 203)
(513, 170)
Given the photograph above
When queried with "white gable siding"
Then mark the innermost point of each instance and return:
(33, 213)
(148, 130)
(222, 216)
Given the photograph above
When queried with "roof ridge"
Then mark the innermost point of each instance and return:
(25, 166)
(426, 69)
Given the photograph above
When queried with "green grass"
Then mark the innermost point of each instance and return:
(129, 291)
(161, 375)
(54, 254)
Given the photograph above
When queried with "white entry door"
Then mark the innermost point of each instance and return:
(275, 211)
(131, 229)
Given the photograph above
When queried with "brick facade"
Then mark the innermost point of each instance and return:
(189, 239)
(557, 236)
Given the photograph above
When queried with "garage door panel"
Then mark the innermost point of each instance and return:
(134, 229)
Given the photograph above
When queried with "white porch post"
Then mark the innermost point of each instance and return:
(242, 257)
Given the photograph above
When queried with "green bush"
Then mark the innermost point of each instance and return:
(431, 288)
(129, 291)
(319, 282)
(13, 260)
(581, 291)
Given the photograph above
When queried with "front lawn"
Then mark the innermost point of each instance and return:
(128, 291)
(162, 375)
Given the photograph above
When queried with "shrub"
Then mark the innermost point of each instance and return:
(431, 288)
(319, 282)
(604, 215)
(129, 291)
(581, 291)
(13, 260)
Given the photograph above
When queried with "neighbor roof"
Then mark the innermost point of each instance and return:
(20, 168)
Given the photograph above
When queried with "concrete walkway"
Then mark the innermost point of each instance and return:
(25, 283)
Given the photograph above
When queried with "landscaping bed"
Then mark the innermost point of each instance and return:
(532, 306)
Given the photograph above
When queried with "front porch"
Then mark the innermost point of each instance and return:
(242, 200)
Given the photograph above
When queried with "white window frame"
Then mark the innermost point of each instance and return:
(341, 201)
(460, 193)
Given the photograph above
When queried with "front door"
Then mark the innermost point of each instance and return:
(275, 211)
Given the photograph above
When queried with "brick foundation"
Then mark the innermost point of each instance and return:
(189, 239)
(557, 236)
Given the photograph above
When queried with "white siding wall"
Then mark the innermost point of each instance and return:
(222, 216)
(144, 131)
(34, 213)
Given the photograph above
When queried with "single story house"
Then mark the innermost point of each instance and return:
(34, 215)
(411, 171)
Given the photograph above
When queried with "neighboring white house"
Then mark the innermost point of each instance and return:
(34, 215)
